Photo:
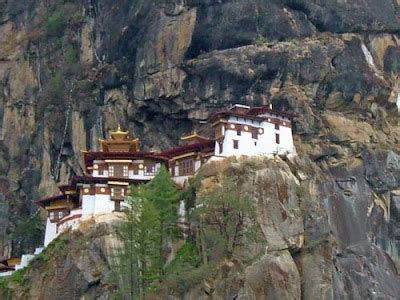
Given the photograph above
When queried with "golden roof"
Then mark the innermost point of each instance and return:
(119, 141)
(193, 137)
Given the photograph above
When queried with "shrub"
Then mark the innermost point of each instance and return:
(5, 291)
(56, 88)
(56, 24)
(71, 54)
(18, 276)
(260, 40)
(187, 256)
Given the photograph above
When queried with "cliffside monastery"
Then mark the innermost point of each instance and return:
(239, 130)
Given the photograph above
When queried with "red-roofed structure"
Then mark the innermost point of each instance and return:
(239, 130)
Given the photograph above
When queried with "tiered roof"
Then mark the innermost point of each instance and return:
(119, 141)
(249, 112)
(206, 145)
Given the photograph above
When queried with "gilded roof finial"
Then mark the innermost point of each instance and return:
(119, 127)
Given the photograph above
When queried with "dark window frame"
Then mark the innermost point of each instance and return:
(186, 167)
(149, 172)
(235, 144)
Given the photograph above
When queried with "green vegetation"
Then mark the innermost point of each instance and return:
(150, 221)
(221, 228)
(224, 217)
(5, 290)
(56, 23)
(57, 86)
(260, 40)
(18, 276)
(27, 234)
(71, 54)
(186, 270)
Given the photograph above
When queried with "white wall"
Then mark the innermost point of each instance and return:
(97, 204)
(88, 205)
(103, 204)
(72, 223)
(131, 175)
(265, 144)
(51, 232)
(181, 180)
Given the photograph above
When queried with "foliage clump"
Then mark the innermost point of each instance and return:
(150, 223)
(221, 228)
(27, 233)
(56, 24)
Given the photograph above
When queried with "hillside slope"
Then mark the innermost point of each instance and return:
(323, 231)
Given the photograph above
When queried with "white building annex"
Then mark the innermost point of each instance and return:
(242, 130)
(238, 130)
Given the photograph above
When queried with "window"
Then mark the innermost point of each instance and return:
(276, 126)
(220, 132)
(125, 171)
(235, 144)
(277, 139)
(101, 171)
(135, 169)
(239, 132)
(186, 167)
(119, 171)
(57, 215)
(254, 134)
(117, 193)
(255, 143)
(149, 170)
(111, 171)
(117, 205)
(221, 147)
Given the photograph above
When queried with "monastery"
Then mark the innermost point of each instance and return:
(239, 130)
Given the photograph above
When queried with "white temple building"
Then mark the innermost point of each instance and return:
(238, 130)
(242, 130)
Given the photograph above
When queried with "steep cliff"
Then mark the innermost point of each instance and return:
(326, 231)
(71, 70)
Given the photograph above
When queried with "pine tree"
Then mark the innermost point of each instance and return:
(163, 193)
(138, 259)
(150, 218)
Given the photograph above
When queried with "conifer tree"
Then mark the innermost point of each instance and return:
(150, 217)
(138, 259)
(163, 193)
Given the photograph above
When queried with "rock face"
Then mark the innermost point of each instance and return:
(77, 265)
(322, 227)
(71, 71)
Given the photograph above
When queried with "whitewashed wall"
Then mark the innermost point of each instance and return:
(51, 232)
(265, 144)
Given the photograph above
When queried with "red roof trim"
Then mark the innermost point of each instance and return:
(251, 113)
(40, 202)
(91, 179)
(130, 155)
(188, 148)
(69, 218)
